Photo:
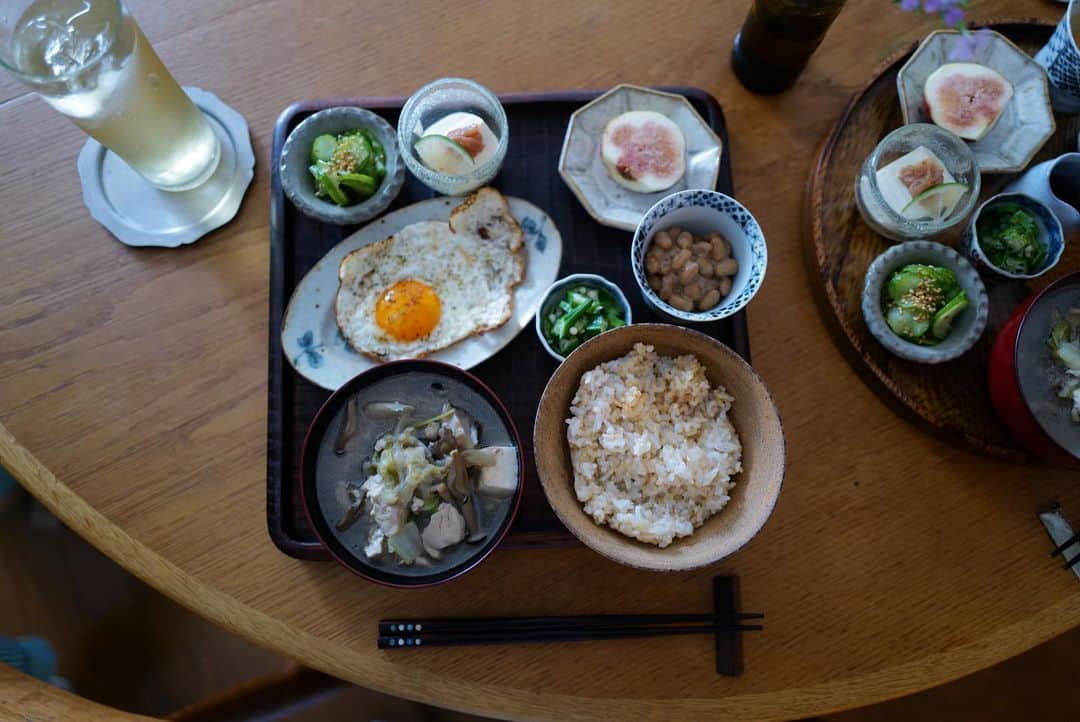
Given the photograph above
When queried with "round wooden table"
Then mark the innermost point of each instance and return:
(133, 392)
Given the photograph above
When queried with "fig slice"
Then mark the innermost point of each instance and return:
(643, 151)
(966, 98)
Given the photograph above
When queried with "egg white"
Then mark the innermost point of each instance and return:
(474, 278)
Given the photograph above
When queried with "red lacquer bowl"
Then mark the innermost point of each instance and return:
(1020, 377)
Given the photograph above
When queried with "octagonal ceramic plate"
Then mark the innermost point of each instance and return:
(1028, 120)
(580, 165)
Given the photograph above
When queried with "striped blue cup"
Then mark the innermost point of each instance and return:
(1061, 58)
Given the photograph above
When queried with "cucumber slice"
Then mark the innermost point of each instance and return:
(357, 148)
(904, 281)
(376, 148)
(443, 155)
(907, 279)
(362, 185)
(942, 322)
(328, 185)
(323, 147)
(905, 324)
(376, 162)
(946, 196)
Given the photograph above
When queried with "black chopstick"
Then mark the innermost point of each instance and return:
(424, 639)
(501, 624)
(1074, 539)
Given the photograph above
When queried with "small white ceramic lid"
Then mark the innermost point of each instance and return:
(139, 214)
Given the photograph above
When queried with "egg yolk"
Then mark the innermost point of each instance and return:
(409, 310)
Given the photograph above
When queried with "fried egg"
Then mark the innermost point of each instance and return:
(433, 283)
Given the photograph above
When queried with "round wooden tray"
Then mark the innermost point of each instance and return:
(950, 400)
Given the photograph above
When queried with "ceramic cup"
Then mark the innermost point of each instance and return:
(1061, 58)
(1055, 183)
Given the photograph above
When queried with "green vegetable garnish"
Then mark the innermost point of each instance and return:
(323, 148)
(431, 504)
(1064, 340)
(353, 153)
(941, 323)
(364, 185)
(1064, 343)
(922, 301)
(1009, 236)
(348, 168)
(582, 313)
(326, 184)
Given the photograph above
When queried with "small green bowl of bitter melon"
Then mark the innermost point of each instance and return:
(341, 165)
(924, 302)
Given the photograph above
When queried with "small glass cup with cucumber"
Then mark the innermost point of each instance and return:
(919, 182)
(453, 135)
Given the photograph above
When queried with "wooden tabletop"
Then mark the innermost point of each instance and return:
(133, 391)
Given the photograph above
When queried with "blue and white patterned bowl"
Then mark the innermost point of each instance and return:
(703, 212)
(1050, 233)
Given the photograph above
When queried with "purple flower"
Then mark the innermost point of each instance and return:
(963, 48)
(968, 44)
(953, 16)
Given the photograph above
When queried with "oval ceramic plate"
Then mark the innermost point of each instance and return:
(309, 333)
(580, 165)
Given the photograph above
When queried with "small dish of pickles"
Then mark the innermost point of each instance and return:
(924, 302)
(921, 301)
(341, 165)
(348, 167)
(577, 308)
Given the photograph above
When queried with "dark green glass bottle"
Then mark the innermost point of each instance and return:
(777, 40)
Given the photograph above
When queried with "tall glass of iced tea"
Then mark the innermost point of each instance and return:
(90, 61)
